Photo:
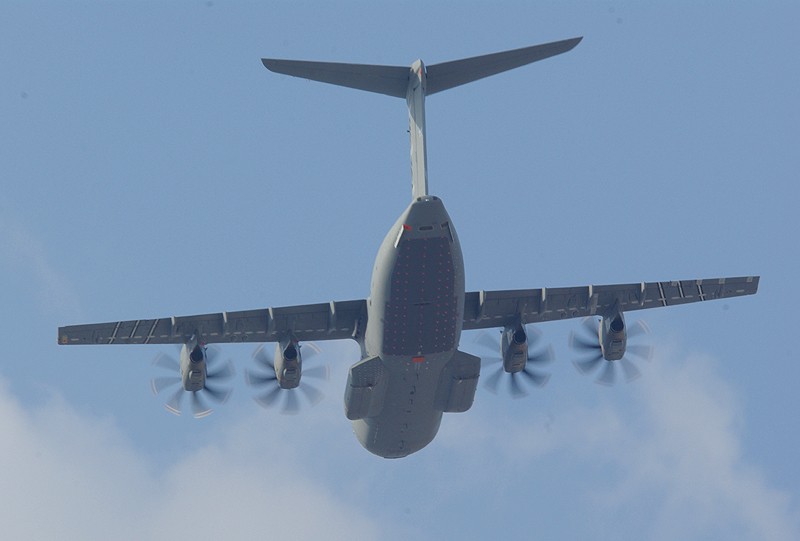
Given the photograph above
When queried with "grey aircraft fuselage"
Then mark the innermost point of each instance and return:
(415, 309)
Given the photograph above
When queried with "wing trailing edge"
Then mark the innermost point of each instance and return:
(458, 72)
(389, 80)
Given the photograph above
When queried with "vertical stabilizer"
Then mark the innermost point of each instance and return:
(415, 83)
(415, 98)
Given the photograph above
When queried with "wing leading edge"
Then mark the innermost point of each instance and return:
(338, 320)
(488, 309)
(312, 322)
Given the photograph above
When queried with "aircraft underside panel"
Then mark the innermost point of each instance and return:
(458, 383)
(422, 314)
(397, 406)
(366, 389)
(310, 322)
(489, 309)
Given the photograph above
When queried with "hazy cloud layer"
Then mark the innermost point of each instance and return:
(668, 467)
(72, 477)
(675, 463)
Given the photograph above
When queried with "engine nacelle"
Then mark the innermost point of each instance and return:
(613, 336)
(288, 363)
(514, 348)
(193, 366)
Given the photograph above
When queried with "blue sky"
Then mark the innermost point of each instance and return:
(151, 166)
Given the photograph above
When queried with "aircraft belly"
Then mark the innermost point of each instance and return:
(413, 397)
(416, 308)
(416, 303)
(409, 419)
(421, 315)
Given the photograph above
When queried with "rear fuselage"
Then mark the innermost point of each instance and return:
(416, 309)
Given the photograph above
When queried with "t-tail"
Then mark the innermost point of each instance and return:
(415, 83)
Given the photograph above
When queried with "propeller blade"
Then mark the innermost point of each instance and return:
(489, 341)
(638, 329)
(212, 354)
(254, 379)
(166, 361)
(534, 334)
(269, 398)
(516, 390)
(317, 372)
(263, 357)
(631, 372)
(309, 350)
(199, 408)
(591, 326)
(291, 406)
(491, 360)
(173, 405)
(641, 351)
(585, 366)
(544, 357)
(609, 374)
(269, 380)
(313, 394)
(226, 371)
(581, 344)
(540, 380)
(218, 395)
(492, 342)
(493, 380)
(159, 384)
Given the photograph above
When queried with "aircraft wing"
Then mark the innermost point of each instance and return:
(310, 322)
(488, 309)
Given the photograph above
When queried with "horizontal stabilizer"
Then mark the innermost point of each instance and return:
(458, 72)
(389, 80)
(394, 80)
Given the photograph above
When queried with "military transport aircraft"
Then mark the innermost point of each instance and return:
(411, 370)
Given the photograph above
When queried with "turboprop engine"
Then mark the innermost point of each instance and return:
(514, 348)
(193, 373)
(608, 342)
(514, 344)
(288, 364)
(613, 336)
(280, 372)
(193, 367)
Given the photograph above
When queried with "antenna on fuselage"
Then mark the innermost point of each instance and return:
(415, 83)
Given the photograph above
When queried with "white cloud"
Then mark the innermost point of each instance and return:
(666, 461)
(68, 476)
(663, 462)
(692, 452)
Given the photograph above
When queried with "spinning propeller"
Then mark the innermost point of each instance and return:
(264, 379)
(492, 342)
(211, 388)
(590, 344)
